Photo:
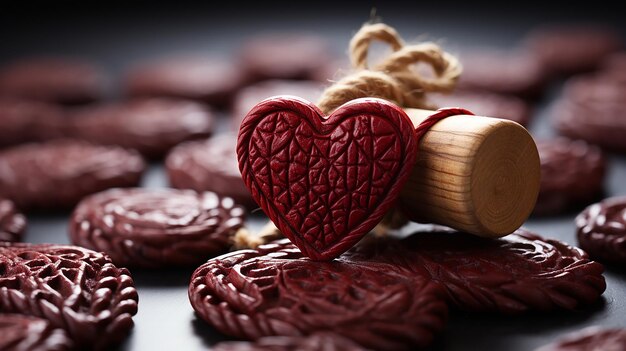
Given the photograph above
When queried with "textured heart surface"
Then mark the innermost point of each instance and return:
(325, 181)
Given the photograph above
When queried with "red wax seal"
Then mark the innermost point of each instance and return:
(325, 181)
(601, 230)
(518, 273)
(74, 289)
(275, 290)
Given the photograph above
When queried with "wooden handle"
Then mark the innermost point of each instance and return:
(475, 174)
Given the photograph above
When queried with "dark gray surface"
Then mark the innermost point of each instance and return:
(115, 39)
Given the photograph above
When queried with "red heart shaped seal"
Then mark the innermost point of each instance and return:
(325, 181)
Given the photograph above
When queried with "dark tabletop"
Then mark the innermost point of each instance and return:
(115, 37)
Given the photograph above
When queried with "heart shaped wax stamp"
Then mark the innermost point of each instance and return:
(325, 181)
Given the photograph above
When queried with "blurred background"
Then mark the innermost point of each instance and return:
(115, 34)
(147, 49)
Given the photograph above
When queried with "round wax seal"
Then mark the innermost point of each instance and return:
(150, 126)
(209, 80)
(26, 121)
(286, 56)
(572, 49)
(74, 289)
(156, 227)
(59, 173)
(52, 79)
(26, 333)
(276, 290)
(12, 223)
(209, 165)
(520, 272)
(572, 172)
(501, 72)
(601, 230)
(590, 339)
(602, 96)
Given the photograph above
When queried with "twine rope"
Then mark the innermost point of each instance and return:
(392, 79)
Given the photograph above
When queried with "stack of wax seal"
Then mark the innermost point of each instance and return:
(396, 194)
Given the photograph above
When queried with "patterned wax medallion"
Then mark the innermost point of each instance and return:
(75, 289)
(276, 290)
(156, 227)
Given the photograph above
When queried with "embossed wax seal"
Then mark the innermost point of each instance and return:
(211, 80)
(209, 165)
(156, 227)
(601, 230)
(326, 181)
(601, 95)
(151, 126)
(75, 289)
(276, 290)
(572, 173)
(520, 272)
(58, 174)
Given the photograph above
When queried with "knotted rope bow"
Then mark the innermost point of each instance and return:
(392, 79)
